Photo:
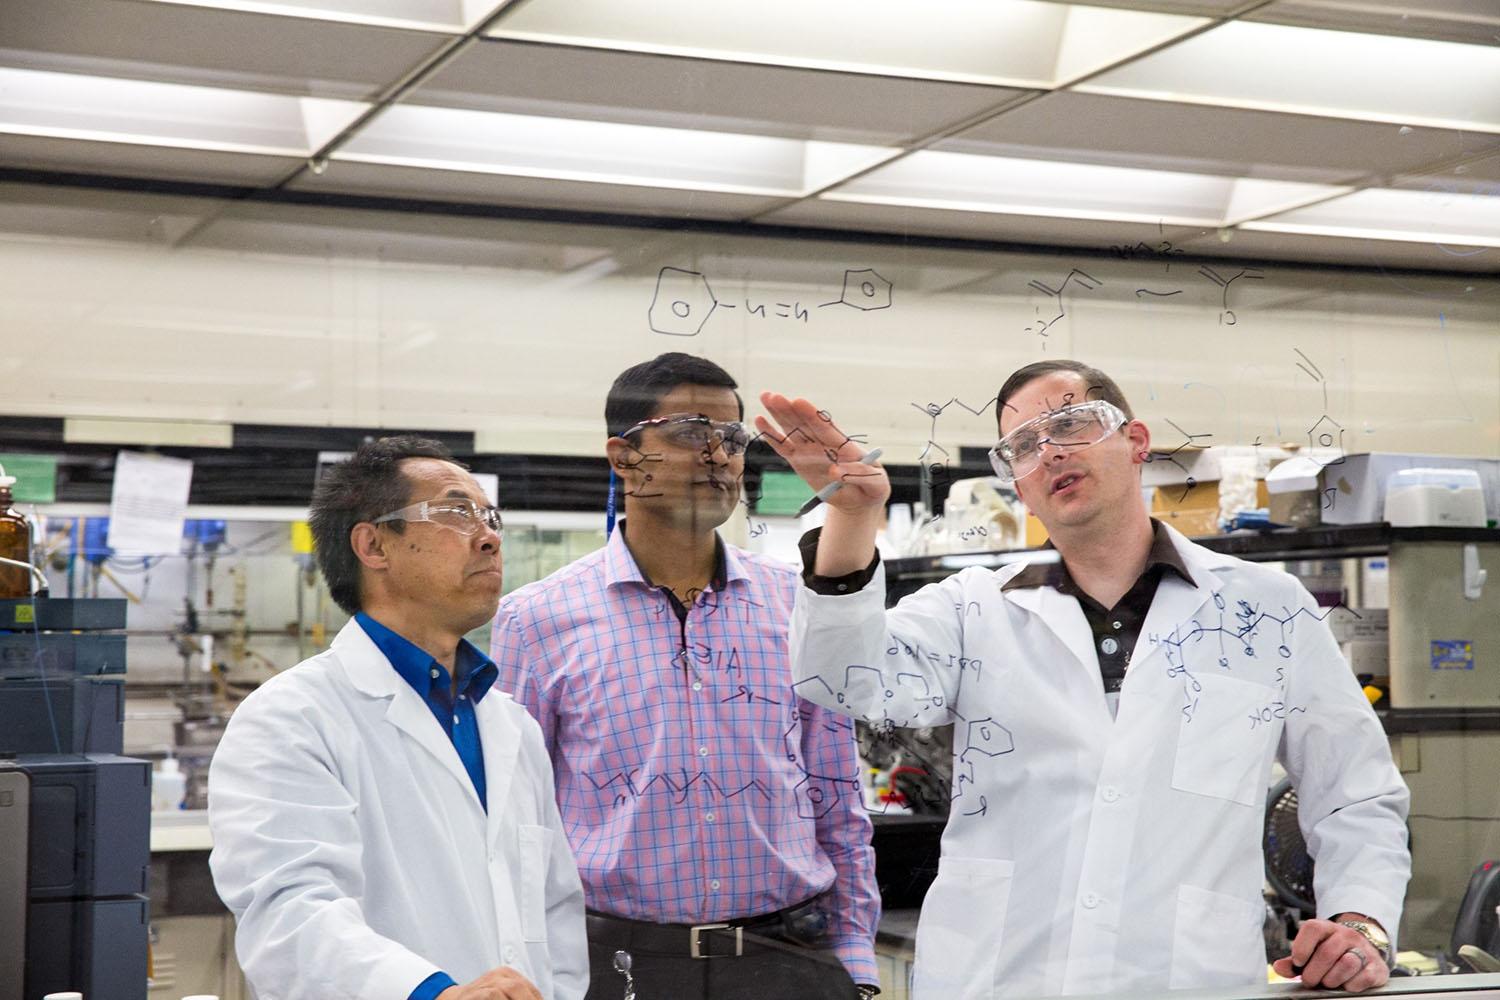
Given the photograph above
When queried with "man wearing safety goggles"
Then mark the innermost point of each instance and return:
(383, 817)
(718, 833)
(1117, 709)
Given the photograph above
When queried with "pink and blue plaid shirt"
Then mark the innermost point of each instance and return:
(693, 785)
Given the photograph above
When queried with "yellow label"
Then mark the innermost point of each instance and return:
(25, 614)
(302, 539)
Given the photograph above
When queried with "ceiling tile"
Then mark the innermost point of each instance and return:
(120, 159)
(527, 192)
(175, 43)
(1369, 77)
(1163, 135)
(1476, 22)
(645, 89)
(1016, 43)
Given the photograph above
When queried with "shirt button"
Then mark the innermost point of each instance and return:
(714, 884)
(697, 685)
(1091, 900)
(510, 956)
(703, 751)
(462, 697)
(1109, 793)
(843, 587)
(455, 720)
(1118, 625)
(1109, 646)
(436, 674)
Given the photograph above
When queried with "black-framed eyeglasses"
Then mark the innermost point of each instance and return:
(698, 432)
(457, 513)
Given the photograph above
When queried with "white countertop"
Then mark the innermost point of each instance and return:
(180, 830)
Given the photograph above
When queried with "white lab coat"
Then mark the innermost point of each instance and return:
(1086, 853)
(351, 846)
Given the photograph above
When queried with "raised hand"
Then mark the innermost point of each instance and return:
(821, 453)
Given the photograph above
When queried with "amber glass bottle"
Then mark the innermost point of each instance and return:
(15, 543)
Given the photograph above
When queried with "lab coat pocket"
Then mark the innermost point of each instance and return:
(1217, 940)
(1222, 740)
(959, 932)
(536, 852)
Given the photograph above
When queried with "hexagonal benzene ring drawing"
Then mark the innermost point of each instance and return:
(989, 738)
(816, 796)
(865, 290)
(1327, 433)
(682, 303)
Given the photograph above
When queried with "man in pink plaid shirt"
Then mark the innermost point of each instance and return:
(716, 818)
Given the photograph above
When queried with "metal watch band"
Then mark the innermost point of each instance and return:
(1383, 950)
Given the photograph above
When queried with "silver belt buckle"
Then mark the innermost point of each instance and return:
(695, 947)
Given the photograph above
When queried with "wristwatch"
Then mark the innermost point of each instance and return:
(866, 991)
(1378, 938)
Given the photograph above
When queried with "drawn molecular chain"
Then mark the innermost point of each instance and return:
(1226, 315)
(1188, 441)
(684, 300)
(1082, 279)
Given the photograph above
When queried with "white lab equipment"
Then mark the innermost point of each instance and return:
(168, 786)
(1430, 497)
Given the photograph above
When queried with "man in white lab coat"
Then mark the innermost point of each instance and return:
(1117, 713)
(383, 819)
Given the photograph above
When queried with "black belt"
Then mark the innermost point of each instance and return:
(720, 939)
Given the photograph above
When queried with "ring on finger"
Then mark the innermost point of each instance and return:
(1359, 955)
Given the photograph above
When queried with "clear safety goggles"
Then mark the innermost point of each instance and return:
(1076, 427)
(457, 513)
(698, 433)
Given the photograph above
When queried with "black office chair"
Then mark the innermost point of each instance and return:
(1476, 932)
(1289, 868)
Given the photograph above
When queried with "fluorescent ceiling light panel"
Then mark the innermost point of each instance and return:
(1016, 43)
(1439, 217)
(1343, 74)
(604, 152)
(966, 182)
(70, 106)
(428, 15)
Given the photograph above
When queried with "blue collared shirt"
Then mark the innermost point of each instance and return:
(431, 680)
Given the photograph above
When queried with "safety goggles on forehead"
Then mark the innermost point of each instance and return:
(690, 431)
(461, 515)
(1083, 425)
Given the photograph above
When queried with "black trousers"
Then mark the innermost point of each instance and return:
(766, 967)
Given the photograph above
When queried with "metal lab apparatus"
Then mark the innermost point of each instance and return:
(1445, 624)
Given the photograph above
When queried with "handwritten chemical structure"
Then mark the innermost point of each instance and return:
(865, 290)
(1236, 631)
(684, 300)
(1188, 441)
(1326, 432)
(1075, 277)
(936, 472)
(1226, 315)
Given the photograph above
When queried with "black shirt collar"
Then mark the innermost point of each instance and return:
(1163, 555)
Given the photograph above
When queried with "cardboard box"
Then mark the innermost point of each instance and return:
(1358, 483)
(1192, 510)
(1036, 534)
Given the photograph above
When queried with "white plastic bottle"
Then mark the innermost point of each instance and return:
(168, 786)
